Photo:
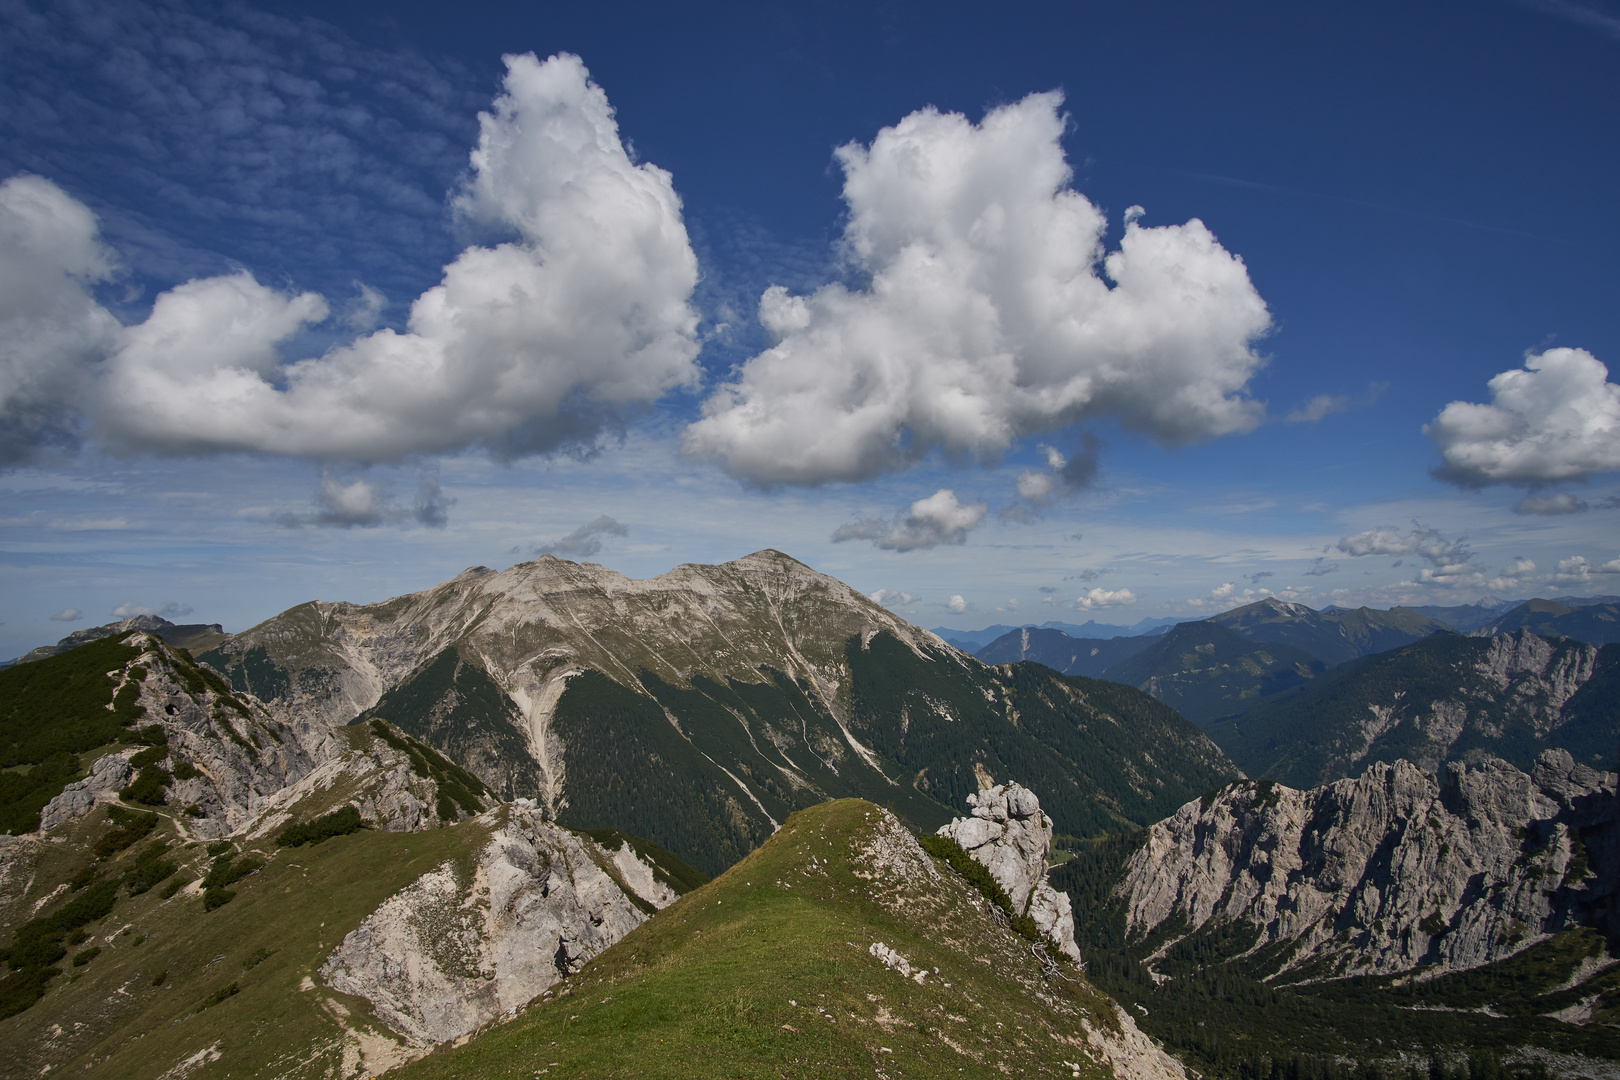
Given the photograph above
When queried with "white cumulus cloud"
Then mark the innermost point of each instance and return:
(51, 328)
(957, 605)
(938, 519)
(890, 597)
(1556, 419)
(989, 311)
(1104, 598)
(580, 317)
(66, 615)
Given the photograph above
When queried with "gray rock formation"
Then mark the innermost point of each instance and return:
(373, 777)
(1010, 835)
(536, 624)
(256, 769)
(108, 776)
(240, 750)
(1388, 871)
(460, 947)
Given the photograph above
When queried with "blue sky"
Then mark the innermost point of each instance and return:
(948, 361)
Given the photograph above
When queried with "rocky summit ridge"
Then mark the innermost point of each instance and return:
(701, 707)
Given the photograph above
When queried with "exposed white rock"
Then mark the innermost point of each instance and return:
(243, 751)
(377, 781)
(1129, 1053)
(462, 946)
(1011, 837)
(1387, 871)
(891, 959)
(110, 774)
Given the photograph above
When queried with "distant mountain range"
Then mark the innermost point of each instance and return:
(1268, 651)
(1445, 698)
(1205, 670)
(194, 636)
(1332, 636)
(1595, 621)
(973, 640)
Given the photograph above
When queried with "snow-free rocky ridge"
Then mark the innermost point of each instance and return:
(701, 707)
(1396, 870)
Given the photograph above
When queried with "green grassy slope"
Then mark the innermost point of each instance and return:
(767, 972)
(112, 1017)
(54, 711)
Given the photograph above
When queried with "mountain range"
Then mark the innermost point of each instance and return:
(701, 707)
(471, 831)
(974, 640)
(1595, 621)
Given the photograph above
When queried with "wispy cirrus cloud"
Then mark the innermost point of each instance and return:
(1605, 22)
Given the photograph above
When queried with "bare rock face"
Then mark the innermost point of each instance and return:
(1390, 870)
(1011, 836)
(110, 774)
(376, 780)
(462, 946)
(227, 752)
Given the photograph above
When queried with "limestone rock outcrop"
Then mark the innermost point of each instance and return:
(1395, 869)
(462, 946)
(1011, 836)
(227, 752)
(109, 774)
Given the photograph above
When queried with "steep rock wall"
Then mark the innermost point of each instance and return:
(1389, 871)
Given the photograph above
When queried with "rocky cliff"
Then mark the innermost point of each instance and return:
(1010, 836)
(1394, 870)
(468, 942)
(224, 763)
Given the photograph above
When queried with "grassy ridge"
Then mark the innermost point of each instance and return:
(157, 992)
(767, 972)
